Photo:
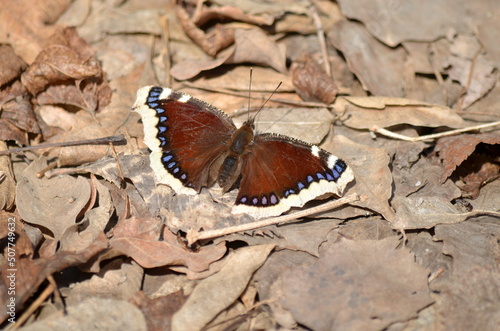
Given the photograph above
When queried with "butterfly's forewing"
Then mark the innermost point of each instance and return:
(186, 136)
(280, 172)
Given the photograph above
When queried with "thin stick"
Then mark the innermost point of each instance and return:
(321, 37)
(32, 308)
(165, 49)
(117, 140)
(193, 235)
(391, 134)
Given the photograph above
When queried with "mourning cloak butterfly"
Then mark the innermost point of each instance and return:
(194, 145)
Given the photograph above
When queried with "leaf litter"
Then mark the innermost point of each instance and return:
(98, 244)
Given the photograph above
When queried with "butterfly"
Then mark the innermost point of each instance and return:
(194, 144)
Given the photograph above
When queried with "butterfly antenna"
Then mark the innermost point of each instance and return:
(249, 93)
(268, 98)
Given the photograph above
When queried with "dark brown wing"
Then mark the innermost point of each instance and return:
(186, 136)
(280, 172)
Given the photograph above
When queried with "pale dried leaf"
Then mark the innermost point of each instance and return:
(217, 292)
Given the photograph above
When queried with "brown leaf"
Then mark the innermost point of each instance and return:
(454, 151)
(380, 69)
(31, 273)
(149, 251)
(7, 180)
(378, 192)
(17, 114)
(383, 112)
(83, 233)
(159, 309)
(88, 95)
(26, 25)
(255, 46)
(95, 313)
(52, 203)
(311, 81)
(212, 43)
(230, 13)
(393, 23)
(12, 66)
(470, 289)
(358, 285)
(216, 293)
(67, 60)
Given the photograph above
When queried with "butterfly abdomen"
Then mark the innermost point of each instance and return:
(239, 144)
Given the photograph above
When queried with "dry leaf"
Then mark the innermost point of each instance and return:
(382, 112)
(94, 313)
(453, 151)
(380, 69)
(254, 46)
(52, 203)
(212, 43)
(12, 66)
(311, 81)
(31, 273)
(357, 285)
(395, 22)
(216, 293)
(149, 251)
(7, 180)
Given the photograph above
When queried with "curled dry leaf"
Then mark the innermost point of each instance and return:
(146, 248)
(7, 180)
(12, 66)
(311, 81)
(68, 62)
(63, 59)
(230, 13)
(17, 116)
(212, 43)
(478, 164)
(250, 46)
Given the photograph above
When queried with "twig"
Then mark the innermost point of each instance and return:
(165, 49)
(394, 135)
(469, 77)
(321, 37)
(193, 235)
(117, 140)
(32, 308)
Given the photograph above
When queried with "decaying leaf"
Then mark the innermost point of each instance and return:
(478, 169)
(354, 285)
(311, 81)
(383, 112)
(51, 203)
(216, 293)
(146, 248)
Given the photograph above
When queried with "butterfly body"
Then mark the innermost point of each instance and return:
(195, 145)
